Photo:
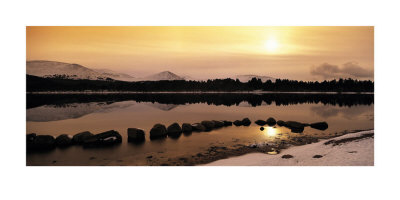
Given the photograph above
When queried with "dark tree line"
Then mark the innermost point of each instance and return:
(227, 99)
(61, 84)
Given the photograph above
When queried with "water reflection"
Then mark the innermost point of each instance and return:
(270, 131)
(348, 113)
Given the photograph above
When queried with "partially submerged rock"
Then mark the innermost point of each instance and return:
(227, 123)
(246, 122)
(319, 125)
(295, 127)
(287, 156)
(158, 131)
(110, 137)
(260, 122)
(80, 137)
(186, 127)
(135, 135)
(218, 124)
(208, 124)
(271, 121)
(261, 128)
(198, 127)
(40, 142)
(63, 140)
(237, 123)
(280, 123)
(174, 128)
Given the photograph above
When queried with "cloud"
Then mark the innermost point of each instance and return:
(349, 69)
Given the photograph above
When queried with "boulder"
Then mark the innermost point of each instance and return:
(261, 128)
(208, 124)
(295, 127)
(30, 137)
(40, 142)
(260, 122)
(246, 122)
(271, 121)
(227, 123)
(80, 137)
(63, 140)
(158, 130)
(237, 123)
(186, 128)
(218, 124)
(319, 125)
(103, 139)
(174, 128)
(280, 123)
(135, 135)
(198, 127)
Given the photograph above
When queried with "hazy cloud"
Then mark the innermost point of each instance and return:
(349, 69)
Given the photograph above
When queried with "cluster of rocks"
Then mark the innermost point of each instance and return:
(86, 139)
(295, 127)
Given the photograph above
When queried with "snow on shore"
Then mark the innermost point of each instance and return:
(354, 149)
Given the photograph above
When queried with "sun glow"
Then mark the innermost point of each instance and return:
(270, 131)
(271, 45)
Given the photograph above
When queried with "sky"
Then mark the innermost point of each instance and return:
(202, 52)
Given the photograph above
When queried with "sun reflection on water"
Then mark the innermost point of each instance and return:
(270, 131)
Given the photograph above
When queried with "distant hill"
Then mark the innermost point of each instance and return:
(165, 75)
(54, 69)
(246, 78)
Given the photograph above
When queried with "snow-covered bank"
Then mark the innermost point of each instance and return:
(354, 149)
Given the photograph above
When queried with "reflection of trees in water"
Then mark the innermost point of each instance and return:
(279, 99)
(348, 113)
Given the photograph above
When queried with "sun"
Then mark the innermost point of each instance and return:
(272, 45)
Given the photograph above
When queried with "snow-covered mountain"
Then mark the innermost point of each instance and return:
(246, 78)
(165, 75)
(115, 75)
(55, 69)
(48, 69)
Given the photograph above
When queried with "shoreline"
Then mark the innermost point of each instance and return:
(352, 149)
(191, 92)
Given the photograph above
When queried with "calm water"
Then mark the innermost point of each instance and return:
(71, 114)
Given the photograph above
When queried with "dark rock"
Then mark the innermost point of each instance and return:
(280, 123)
(174, 128)
(261, 128)
(317, 156)
(63, 140)
(260, 122)
(237, 123)
(40, 142)
(103, 139)
(208, 124)
(287, 156)
(218, 124)
(148, 157)
(227, 123)
(198, 127)
(319, 125)
(295, 127)
(158, 130)
(186, 127)
(271, 121)
(80, 137)
(135, 135)
(246, 122)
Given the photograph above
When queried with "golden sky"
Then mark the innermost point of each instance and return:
(301, 53)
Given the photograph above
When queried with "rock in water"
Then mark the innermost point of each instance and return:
(63, 140)
(280, 123)
(246, 122)
(186, 127)
(135, 135)
(218, 124)
(40, 142)
(227, 123)
(198, 127)
(80, 137)
(260, 122)
(261, 128)
(271, 121)
(319, 125)
(208, 124)
(157, 131)
(295, 127)
(174, 128)
(237, 123)
(103, 139)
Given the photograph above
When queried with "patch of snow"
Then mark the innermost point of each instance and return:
(353, 153)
